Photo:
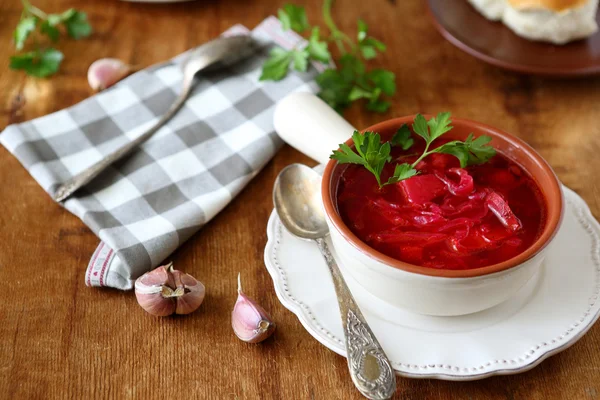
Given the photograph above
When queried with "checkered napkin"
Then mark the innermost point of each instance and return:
(147, 205)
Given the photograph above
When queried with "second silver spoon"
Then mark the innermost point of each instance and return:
(203, 57)
(297, 198)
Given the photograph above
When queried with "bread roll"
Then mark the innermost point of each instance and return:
(555, 21)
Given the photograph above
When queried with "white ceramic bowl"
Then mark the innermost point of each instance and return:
(308, 124)
(431, 295)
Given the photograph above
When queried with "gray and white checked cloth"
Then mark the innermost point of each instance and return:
(148, 204)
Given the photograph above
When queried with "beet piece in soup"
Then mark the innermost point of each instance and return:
(446, 217)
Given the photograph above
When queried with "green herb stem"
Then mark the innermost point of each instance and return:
(33, 10)
(327, 4)
(337, 36)
(38, 13)
(425, 154)
(405, 156)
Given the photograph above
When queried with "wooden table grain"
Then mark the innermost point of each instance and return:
(62, 340)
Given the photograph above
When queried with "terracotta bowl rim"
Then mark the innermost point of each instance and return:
(549, 232)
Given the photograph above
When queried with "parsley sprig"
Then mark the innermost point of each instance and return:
(374, 155)
(44, 61)
(339, 87)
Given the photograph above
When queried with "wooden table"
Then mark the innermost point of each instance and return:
(61, 339)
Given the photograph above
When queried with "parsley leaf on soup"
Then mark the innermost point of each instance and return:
(469, 152)
(402, 172)
(420, 127)
(369, 152)
(373, 155)
(403, 138)
(439, 125)
(480, 151)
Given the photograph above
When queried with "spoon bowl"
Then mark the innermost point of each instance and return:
(224, 50)
(297, 198)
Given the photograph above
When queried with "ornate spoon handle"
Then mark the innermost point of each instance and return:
(370, 369)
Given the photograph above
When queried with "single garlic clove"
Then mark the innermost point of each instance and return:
(150, 287)
(193, 293)
(105, 72)
(155, 306)
(165, 291)
(250, 322)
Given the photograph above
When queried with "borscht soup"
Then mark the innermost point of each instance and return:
(444, 212)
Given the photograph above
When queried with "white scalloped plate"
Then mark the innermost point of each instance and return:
(548, 315)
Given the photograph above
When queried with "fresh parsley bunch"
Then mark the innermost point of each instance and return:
(373, 155)
(339, 87)
(45, 61)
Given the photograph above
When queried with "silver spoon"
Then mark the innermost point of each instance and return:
(227, 49)
(297, 198)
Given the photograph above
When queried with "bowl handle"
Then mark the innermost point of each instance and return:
(308, 124)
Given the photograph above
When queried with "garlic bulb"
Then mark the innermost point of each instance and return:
(165, 291)
(250, 322)
(105, 72)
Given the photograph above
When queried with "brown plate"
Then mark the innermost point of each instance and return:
(496, 44)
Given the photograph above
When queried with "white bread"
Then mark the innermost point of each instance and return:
(555, 21)
(491, 9)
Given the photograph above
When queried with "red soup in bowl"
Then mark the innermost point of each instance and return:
(457, 221)
(446, 217)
